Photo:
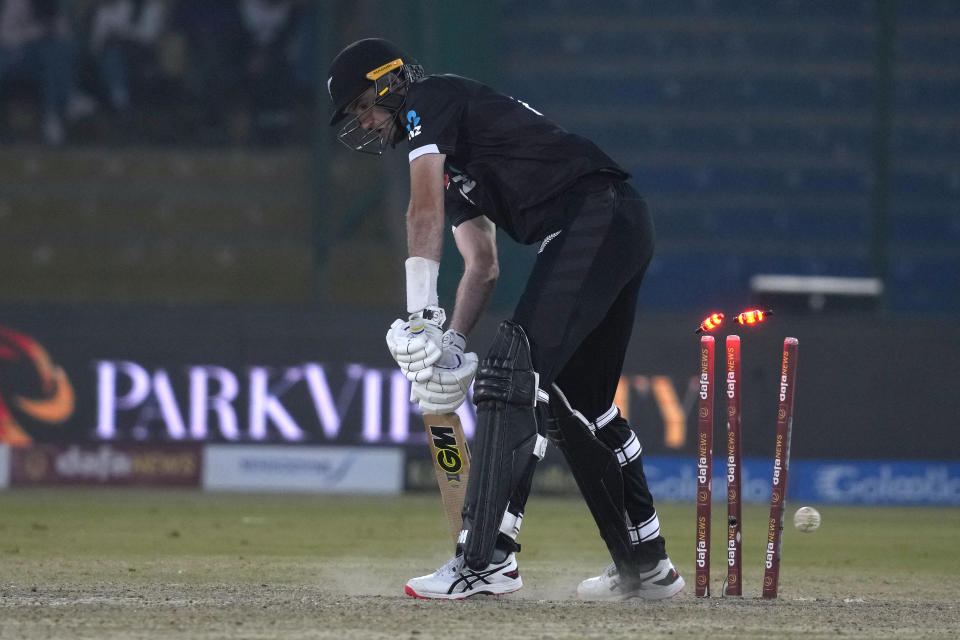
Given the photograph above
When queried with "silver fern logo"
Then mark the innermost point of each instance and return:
(547, 240)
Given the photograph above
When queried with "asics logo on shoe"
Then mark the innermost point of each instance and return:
(468, 578)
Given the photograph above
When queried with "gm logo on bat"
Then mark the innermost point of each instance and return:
(449, 459)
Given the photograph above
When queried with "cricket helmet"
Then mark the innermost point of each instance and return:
(370, 62)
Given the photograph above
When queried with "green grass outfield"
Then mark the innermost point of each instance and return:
(158, 564)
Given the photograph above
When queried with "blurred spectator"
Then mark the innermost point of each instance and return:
(214, 37)
(304, 50)
(37, 45)
(124, 35)
(269, 28)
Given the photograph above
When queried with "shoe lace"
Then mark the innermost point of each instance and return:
(453, 566)
(611, 571)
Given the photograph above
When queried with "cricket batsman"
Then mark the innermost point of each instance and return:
(481, 160)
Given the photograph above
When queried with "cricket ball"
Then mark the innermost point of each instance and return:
(806, 519)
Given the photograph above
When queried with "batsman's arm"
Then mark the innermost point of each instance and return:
(425, 212)
(476, 241)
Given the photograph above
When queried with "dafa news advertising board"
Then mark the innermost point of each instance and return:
(217, 376)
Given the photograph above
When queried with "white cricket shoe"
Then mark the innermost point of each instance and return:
(658, 583)
(456, 581)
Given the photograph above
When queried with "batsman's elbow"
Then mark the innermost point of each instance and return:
(493, 272)
(486, 272)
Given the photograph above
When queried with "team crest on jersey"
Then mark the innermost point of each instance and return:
(413, 124)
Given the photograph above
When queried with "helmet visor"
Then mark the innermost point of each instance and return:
(389, 91)
(354, 136)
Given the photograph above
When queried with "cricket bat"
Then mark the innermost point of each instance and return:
(451, 461)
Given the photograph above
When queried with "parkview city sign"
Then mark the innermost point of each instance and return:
(309, 402)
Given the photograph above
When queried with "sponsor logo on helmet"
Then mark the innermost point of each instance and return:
(386, 68)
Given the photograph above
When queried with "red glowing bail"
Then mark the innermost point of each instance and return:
(753, 316)
(710, 323)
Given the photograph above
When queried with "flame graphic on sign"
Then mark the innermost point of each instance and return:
(55, 400)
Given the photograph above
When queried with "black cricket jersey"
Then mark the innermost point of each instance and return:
(505, 160)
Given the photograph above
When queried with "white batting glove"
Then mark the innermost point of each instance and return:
(446, 389)
(416, 343)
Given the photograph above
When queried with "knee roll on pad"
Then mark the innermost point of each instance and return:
(507, 445)
(506, 375)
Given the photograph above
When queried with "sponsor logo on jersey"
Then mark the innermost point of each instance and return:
(462, 181)
(413, 124)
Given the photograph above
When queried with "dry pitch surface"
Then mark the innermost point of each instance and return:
(142, 564)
